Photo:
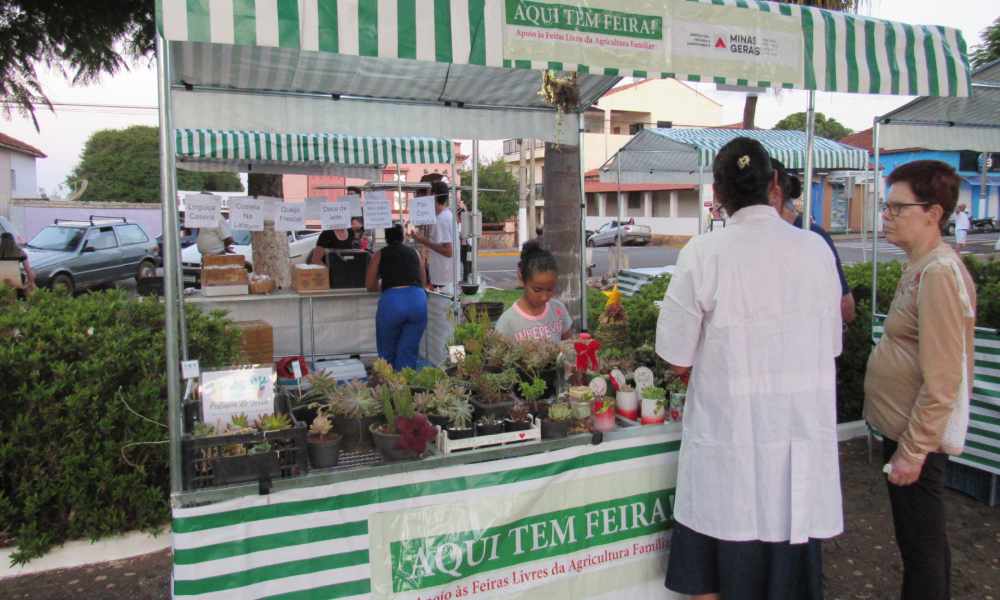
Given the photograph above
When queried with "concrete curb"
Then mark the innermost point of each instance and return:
(84, 552)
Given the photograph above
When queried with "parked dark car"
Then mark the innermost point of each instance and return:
(79, 254)
(188, 237)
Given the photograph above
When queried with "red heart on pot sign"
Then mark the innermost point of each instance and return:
(521, 436)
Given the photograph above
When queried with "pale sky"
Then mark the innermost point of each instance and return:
(63, 134)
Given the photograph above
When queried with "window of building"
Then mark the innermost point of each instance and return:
(593, 205)
(635, 128)
(13, 180)
(635, 200)
(968, 161)
(593, 123)
(665, 124)
(616, 130)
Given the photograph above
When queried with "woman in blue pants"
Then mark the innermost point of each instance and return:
(402, 310)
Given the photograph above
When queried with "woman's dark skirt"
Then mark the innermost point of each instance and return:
(751, 570)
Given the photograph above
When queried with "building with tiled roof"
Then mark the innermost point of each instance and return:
(18, 177)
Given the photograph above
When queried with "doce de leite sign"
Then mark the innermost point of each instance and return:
(335, 215)
(422, 211)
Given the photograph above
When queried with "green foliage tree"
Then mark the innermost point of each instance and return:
(989, 50)
(88, 39)
(496, 206)
(828, 128)
(123, 165)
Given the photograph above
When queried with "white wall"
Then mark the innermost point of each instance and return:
(31, 216)
(24, 176)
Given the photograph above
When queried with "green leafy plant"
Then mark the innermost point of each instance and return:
(397, 401)
(489, 420)
(490, 391)
(497, 349)
(531, 392)
(470, 367)
(428, 377)
(203, 430)
(83, 450)
(260, 449)
(354, 400)
(384, 373)
(324, 387)
(580, 410)
(654, 393)
(475, 329)
(535, 356)
(559, 412)
(677, 386)
(272, 422)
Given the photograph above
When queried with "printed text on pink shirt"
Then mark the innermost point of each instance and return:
(541, 332)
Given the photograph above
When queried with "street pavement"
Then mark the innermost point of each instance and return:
(501, 271)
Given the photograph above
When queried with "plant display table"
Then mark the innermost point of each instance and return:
(564, 519)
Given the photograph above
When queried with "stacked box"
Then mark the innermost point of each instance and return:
(310, 278)
(221, 260)
(258, 341)
(224, 275)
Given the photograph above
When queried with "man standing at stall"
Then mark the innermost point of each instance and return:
(440, 243)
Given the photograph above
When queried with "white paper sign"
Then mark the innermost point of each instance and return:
(190, 369)
(247, 213)
(232, 392)
(378, 211)
(643, 379)
(355, 201)
(422, 211)
(599, 386)
(618, 376)
(296, 369)
(202, 210)
(289, 216)
(313, 206)
(335, 215)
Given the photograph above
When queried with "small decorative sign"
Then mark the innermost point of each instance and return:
(296, 369)
(235, 391)
(335, 215)
(247, 214)
(378, 211)
(456, 354)
(202, 210)
(422, 211)
(619, 377)
(190, 369)
(599, 386)
(643, 378)
(289, 216)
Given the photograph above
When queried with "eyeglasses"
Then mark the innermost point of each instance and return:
(895, 208)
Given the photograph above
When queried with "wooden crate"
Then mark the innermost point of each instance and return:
(220, 260)
(224, 275)
(263, 287)
(258, 341)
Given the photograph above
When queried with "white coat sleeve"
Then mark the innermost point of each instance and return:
(678, 328)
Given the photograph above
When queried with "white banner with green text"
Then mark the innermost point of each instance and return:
(582, 522)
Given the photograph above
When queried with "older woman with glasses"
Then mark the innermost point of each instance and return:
(920, 374)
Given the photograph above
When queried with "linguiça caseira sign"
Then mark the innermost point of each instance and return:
(508, 544)
(658, 37)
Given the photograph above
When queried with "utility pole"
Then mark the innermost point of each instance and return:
(532, 211)
(522, 217)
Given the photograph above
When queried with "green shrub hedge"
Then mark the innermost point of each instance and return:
(83, 450)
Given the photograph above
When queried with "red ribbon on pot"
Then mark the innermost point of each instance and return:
(586, 353)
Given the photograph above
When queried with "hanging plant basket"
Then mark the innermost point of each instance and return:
(562, 93)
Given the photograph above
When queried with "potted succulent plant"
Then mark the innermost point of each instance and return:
(324, 443)
(383, 373)
(491, 399)
(518, 417)
(244, 462)
(654, 401)
(603, 409)
(538, 359)
(497, 350)
(556, 423)
(627, 402)
(405, 434)
(489, 425)
(423, 380)
(531, 392)
(459, 413)
(353, 410)
(581, 420)
(678, 398)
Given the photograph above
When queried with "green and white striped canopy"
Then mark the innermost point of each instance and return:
(841, 53)
(678, 155)
(213, 150)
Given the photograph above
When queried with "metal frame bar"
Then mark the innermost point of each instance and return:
(456, 241)
(583, 234)
(876, 132)
(808, 171)
(474, 212)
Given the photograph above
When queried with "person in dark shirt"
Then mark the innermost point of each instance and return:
(791, 189)
(10, 251)
(401, 317)
(339, 239)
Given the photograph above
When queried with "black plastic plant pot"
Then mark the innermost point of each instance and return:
(440, 420)
(509, 425)
(324, 455)
(356, 433)
(305, 414)
(489, 429)
(481, 410)
(542, 412)
(553, 430)
(247, 467)
(385, 442)
(460, 434)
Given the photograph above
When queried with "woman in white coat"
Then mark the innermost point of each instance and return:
(752, 314)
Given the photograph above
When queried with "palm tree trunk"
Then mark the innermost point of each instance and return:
(561, 181)
(749, 112)
(270, 247)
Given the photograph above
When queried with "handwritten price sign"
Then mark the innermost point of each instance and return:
(335, 215)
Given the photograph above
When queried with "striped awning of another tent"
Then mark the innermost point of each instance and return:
(308, 149)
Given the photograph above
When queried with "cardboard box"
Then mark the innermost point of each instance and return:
(258, 341)
(224, 275)
(310, 278)
(221, 260)
(212, 291)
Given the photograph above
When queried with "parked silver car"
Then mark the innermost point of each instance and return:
(631, 234)
(78, 254)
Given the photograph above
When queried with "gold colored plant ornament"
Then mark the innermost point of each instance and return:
(562, 93)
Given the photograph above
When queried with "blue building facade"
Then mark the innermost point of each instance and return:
(968, 165)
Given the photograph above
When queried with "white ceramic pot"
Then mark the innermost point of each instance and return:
(651, 416)
(628, 405)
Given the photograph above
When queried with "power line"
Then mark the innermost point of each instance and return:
(82, 105)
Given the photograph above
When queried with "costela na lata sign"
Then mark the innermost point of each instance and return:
(505, 545)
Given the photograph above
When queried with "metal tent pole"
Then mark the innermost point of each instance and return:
(876, 132)
(399, 192)
(701, 196)
(983, 193)
(618, 236)
(864, 212)
(583, 235)
(474, 272)
(171, 254)
(456, 243)
(808, 175)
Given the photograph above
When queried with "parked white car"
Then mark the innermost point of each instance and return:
(300, 247)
